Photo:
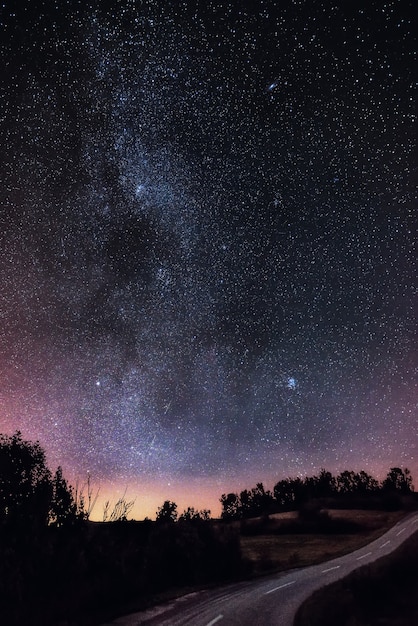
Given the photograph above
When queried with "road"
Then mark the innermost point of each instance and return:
(271, 601)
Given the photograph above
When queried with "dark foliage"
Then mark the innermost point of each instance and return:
(398, 481)
(25, 483)
(167, 513)
(347, 490)
(56, 567)
(29, 494)
(248, 504)
(192, 515)
(81, 573)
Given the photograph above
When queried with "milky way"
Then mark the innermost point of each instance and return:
(208, 239)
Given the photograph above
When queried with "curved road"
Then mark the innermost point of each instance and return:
(272, 601)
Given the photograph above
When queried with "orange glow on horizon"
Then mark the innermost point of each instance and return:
(148, 497)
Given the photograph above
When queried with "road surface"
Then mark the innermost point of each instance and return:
(271, 601)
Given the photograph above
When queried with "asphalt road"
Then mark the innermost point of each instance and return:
(271, 601)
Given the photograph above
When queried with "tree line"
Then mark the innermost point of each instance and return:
(293, 493)
(31, 493)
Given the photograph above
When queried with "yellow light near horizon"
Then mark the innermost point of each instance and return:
(148, 498)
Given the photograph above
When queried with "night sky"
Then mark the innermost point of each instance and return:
(208, 226)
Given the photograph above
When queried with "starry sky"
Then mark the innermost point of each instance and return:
(208, 236)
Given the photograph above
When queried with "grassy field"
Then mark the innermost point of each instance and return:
(276, 551)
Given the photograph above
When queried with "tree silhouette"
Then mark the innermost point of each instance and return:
(325, 484)
(231, 506)
(63, 508)
(26, 487)
(29, 494)
(289, 492)
(356, 483)
(245, 498)
(261, 500)
(321, 486)
(167, 512)
(366, 483)
(192, 515)
(346, 482)
(398, 480)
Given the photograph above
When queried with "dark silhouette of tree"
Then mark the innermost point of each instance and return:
(321, 486)
(358, 483)
(289, 492)
(245, 499)
(63, 508)
(231, 506)
(29, 494)
(261, 500)
(325, 484)
(366, 483)
(247, 504)
(26, 487)
(192, 515)
(398, 480)
(346, 482)
(167, 512)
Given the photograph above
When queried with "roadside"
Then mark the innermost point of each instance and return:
(282, 542)
(383, 593)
